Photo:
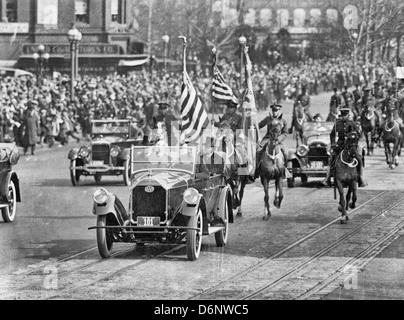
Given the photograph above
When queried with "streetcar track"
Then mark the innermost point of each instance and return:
(356, 261)
(283, 251)
(89, 265)
(318, 255)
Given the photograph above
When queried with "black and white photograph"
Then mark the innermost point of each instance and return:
(201, 155)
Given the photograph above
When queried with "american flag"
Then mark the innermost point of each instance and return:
(193, 115)
(221, 92)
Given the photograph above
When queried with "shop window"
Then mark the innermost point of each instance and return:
(8, 10)
(332, 16)
(118, 9)
(282, 17)
(299, 17)
(315, 16)
(82, 11)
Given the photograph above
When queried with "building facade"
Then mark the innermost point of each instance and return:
(109, 35)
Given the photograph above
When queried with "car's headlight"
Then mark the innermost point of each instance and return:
(302, 150)
(115, 151)
(84, 152)
(191, 196)
(100, 196)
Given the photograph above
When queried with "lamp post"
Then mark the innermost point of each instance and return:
(242, 40)
(165, 39)
(355, 48)
(74, 36)
(40, 57)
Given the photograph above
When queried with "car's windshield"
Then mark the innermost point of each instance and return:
(163, 158)
(109, 127)
(315, 131)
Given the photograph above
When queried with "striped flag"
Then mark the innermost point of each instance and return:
(400, 69)
(221, 92)
(193, 115)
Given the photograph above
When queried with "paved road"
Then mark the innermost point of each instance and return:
(301, 253)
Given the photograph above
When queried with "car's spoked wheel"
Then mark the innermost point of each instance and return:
(74, 174)
(194, 237)
(126, 172)
(8, 212)
(103, 241)
(222, 235)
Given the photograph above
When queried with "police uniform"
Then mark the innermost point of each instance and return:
(348, 97)
(304, 99)
(269, 122)
(336, 100)
(342, 128)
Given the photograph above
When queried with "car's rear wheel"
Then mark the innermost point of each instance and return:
(194, 237)
(103, 241)
(126, 172)
(222, 235)
(74, 173)
(10, 210)
(290, 181)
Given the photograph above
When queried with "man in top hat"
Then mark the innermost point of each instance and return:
(164, 115)
(275, 118)
(342, 127)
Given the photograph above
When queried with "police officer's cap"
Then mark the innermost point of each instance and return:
(335, 89)
(344, 111)
(276, 107)
(163, 105)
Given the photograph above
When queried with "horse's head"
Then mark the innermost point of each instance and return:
(351, 144)
(274, 131)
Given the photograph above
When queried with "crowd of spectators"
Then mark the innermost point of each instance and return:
(136, 96)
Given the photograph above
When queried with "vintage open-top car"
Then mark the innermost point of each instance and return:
(168, 203)
(9, 182)
(107, 154)
(311, 158)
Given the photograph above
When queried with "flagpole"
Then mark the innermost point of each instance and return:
(215, 55)
(184, 58)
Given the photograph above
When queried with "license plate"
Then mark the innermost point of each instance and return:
(148, 221)
(97, 163)
(316, 164)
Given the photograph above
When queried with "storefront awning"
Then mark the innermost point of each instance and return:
(132, 63)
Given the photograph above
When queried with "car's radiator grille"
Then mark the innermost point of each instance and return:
(149, 204)
(318, 152)
(100, 152)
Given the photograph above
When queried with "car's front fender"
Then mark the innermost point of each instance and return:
(73, 154)
(190, 210)
(222, 202)
(112, 205)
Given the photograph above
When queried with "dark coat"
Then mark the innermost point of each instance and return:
(31, 129)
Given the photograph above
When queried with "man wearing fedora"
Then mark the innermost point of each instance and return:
(269, 123)
(342, 127)
(31, 127)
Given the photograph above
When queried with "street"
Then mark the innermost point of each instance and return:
(302, 252)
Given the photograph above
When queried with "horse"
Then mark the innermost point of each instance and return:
(346, 176)
(224, 145)
(272, 167)
(299, 118)
(392, 138)
(369, 127)
(333, 114)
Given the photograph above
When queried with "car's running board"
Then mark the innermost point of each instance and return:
(216, 229)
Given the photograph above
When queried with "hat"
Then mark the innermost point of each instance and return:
(335, 89)
(344, 111)
(367, 88)
(163, 106)
(276, 107)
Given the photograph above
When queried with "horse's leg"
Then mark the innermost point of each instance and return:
(265, 184)
(278, 192)
(354, 187)
(342, 203)
(348, 198)
(367, 142)
(241, 194)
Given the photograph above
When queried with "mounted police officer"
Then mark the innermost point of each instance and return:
(269, 123)
(304, 99)
(168, 119)
(336, 99)
(233, 118)
(348, 97)
(342, 128)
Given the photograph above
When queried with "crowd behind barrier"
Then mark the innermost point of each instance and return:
(46, 113)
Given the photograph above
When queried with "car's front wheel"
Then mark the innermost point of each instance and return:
(222, 235)
(10, 210)
(74, 173)
(103, 241)
(194, 236)
(126, 172)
